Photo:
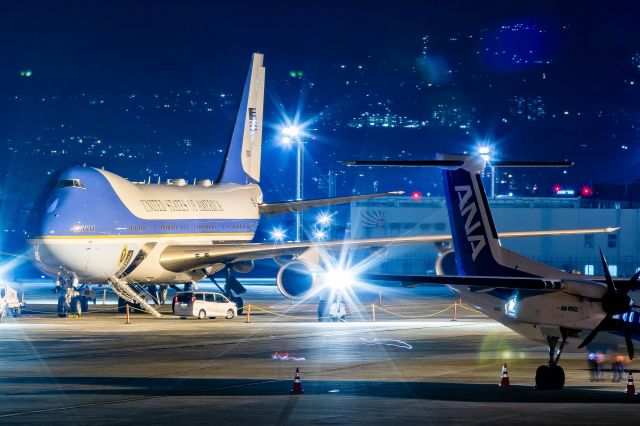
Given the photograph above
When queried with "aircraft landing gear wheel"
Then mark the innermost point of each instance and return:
(549, 377)
(202, 314)
(62, 308)
(323, 311)
(76, 306)
(230, 314)
(239, 304)
(84, 302)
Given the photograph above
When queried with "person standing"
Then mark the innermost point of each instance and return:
(599, 362)
(617, 367)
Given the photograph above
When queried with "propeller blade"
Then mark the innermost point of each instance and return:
(627, 338)
(611, 287)
(592, 335)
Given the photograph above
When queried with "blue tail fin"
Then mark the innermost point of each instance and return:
(475, 239)
(242, 161)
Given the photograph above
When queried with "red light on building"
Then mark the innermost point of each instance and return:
(556, 188)
(586, 191)
(416, 195)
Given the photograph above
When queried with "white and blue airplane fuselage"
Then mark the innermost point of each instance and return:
(95, 221)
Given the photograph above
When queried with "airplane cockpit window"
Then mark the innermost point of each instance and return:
(70, 183)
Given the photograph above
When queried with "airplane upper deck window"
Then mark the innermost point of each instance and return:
(70, 183)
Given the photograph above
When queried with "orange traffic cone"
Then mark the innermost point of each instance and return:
(297, 384)
(631, 388)
(504, 381)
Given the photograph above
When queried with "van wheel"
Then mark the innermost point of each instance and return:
(230, 314)
(202, 314)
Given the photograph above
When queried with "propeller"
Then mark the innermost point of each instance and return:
(615, 301)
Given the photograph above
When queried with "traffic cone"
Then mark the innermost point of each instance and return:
(504, 381)
(297, 384)
(631, 388)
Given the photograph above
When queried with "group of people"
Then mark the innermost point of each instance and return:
(596, 362)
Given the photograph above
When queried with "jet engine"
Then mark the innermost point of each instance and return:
(243, 267)
(300, 277)
(446, 263)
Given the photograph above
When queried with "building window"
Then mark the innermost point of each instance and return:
(612, 240)
(588, 269)
(613, 270)
(588, 241)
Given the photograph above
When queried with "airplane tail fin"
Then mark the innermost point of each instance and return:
(242, 160)
(474, 236)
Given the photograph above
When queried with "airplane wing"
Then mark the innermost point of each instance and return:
(268, 209)
(178, 258)
(520, 283)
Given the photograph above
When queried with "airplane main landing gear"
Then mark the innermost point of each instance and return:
(71, 301)
(551, 376)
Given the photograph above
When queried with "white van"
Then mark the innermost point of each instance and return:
(203, 304)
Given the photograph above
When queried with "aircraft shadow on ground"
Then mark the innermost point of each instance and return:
(166, 387)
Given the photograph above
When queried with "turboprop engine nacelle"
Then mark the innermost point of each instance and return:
(300, 277)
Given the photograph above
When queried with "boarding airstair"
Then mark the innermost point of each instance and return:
(133, 293)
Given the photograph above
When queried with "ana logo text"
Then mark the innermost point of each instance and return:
(469, 209)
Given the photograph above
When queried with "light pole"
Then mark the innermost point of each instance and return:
(292, 134)
(485, 154)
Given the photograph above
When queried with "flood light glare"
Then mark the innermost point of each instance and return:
(323, 219)
(339, 279)
(291, 131)
(278, 234)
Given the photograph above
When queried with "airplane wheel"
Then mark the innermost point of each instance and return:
(76, 306)
(549, 377)
(62, 309)
(84, 301)
(202, 314)
(323, 311)
(239, 304)
(122, 305)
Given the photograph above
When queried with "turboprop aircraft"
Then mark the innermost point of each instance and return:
(92, 226)
(535, 300)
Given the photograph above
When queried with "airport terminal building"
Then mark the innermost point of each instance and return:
(401, 216)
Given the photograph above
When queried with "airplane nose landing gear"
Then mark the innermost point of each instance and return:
(551, 376)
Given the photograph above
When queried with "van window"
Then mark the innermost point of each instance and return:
(221, 299)
(199, 296)
(208, 297)
(184, 297)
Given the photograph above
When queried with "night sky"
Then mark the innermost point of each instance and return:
(150, 89)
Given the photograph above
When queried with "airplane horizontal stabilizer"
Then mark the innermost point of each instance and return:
(298, 206)
(456, 163)
(520, 283)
